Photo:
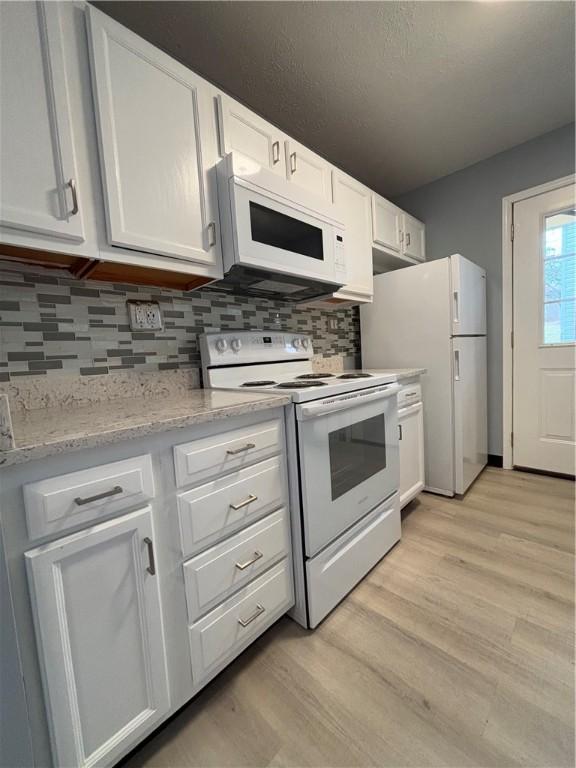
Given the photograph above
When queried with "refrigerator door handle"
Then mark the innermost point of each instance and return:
(456, 308)
(456, 365)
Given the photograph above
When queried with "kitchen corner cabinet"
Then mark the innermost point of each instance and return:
(411, 427)
(354, 203)
(37, 156)
(96, 607)
(157, 146)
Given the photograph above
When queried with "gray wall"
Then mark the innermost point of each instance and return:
(463, 214)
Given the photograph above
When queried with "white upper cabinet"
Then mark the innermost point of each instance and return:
(386, 224)
(354, 203)
(157, 146)
(39, 180)
(413, 232)
(308, 170)
(96, 607)
(246, 133)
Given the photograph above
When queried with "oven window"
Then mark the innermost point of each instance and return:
(281, 231)
(356, 453)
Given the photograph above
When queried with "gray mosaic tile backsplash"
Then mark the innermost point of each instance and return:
(51, 323)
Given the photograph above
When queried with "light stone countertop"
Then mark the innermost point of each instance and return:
(48, 431)
(400, 373)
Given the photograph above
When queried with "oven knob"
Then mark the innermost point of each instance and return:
(221, 345)
(236, 344)
(305, 343)
(296, 343)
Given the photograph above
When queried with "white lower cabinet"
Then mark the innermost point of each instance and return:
(96, 607)
(411, 426)
(223, 633)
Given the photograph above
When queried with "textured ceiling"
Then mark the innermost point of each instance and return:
(395, 93)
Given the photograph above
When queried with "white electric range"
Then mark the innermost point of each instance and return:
(342, 438)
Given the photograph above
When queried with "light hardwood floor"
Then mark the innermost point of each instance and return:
(456, 650)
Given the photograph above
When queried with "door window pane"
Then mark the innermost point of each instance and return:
(356, 453)
(560, 278)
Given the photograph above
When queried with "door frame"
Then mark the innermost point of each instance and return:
(508, 203)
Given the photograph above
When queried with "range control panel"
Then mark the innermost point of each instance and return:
(240, 347)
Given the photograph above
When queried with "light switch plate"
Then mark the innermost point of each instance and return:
(145, 315)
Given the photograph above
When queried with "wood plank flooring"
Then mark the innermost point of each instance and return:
(456, 650)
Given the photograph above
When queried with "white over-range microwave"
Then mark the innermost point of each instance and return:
(278, 240)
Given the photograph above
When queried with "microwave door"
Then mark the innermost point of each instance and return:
(348, 463)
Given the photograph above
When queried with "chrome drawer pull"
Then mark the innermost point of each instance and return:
(243, 566)
(244, 503)
(258, 612)
(113, 492)
(235, 451)
(72, 185)
(151, 568)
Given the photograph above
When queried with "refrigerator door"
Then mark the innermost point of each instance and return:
(468, 297)
(470, 411)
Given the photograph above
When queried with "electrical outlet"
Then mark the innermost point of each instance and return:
(145, 315)
(332, 323)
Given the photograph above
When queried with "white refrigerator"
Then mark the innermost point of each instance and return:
(433, 316)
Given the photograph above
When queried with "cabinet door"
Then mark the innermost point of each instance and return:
(386, 224)
(413, 238)
(96, 608)
(37, 163)
(308, 170)
(355, 207)
(242, 131)
(156, 146)
(411, 425)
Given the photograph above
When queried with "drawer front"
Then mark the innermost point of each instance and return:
(339, 567)
(217, 573)
(214, 510)
(60, 503)
(225, 631)
(216, 455)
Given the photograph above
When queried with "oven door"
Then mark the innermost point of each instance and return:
(348, 448)
(275, 234)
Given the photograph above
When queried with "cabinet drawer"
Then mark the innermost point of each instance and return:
(225, 631)
(333, 573)
(218, 508)
(215, 574)
(66, 501)
(209, 457)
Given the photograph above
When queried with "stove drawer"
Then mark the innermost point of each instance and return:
(220, 636)
(215, 574)
(216, 509)
(209, 457)
(339, 567)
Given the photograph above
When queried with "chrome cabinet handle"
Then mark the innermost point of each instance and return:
(293, 162)
(407, 238)
(400, 431)
(112, 492)
(243, 566)
(72, 185)
(275, 152)
(401, 237)
(244, 503)
(211, 234)
(258, 612)
(236, 451)
(151, 568)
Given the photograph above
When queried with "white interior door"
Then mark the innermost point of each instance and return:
(544, 268)
(470, 410)
(96, 607)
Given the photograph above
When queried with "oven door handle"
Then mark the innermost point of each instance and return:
(344, 402)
